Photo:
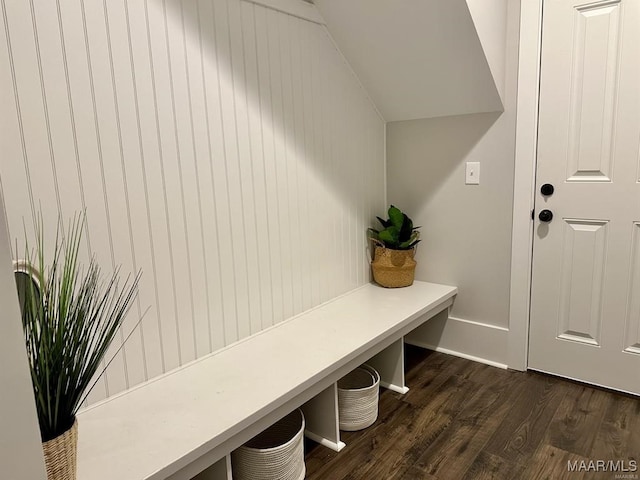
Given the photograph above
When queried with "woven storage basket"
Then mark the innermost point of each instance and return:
(358, 398)
(275, 454)
(393, 268)
(60, 455)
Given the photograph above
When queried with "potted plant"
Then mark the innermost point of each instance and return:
(395, 246)
(70, 316)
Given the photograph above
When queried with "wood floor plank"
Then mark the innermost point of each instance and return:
(578, 416)
(414, 433)
(361, 449)
(415, 473)
(551, 463)
(465, 420)
(487, 466)
(425, 382)
(619, 434)
(413, 427)
(522, 432)
(455, 450)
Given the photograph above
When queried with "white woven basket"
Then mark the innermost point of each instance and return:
(358, 398)
(275, 454)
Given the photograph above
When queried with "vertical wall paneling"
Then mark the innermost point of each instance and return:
(244, 44)
(174, 167)
(330, 142)
(301, 123)
(246, 252)
(258, 225)
(223, 148)
(165, 261)
(122, 202)
(178, 172)
(29, 111)
(45, 70)
(111, 157)
(267, 117)
(322, 154)
(290, 256)
(149, 231)
(138, 213)
(200, 283)
(233, 273)
(295, 192)
(11, 125)
(215, 210)
(280, 163)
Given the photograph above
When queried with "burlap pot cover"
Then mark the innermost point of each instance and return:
(393, 268)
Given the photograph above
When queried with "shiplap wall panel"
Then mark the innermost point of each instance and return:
(12, 128)
(324, 225)
(83, 113)
(223, 148)
(258, 221)
(197, 142)
(269, 233)
(306, 151)
(150, 232)
(129, 205)
(146, 340)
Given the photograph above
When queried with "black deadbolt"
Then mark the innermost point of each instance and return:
(546, 216)
(547, 189)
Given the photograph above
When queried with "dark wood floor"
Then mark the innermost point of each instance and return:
(464, 420)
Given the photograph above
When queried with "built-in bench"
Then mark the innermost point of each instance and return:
(187, 422)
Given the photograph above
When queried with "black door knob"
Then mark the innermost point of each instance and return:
(547, 189)
(545, 216)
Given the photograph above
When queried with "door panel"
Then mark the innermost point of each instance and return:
(632, 338)
(585, 299)
(580, 316)
(594, 73)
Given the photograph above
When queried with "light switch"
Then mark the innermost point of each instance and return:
(472, 175)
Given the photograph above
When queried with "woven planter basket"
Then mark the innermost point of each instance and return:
(275, 454)
(60, 455)
(393, 268)
(358, 398)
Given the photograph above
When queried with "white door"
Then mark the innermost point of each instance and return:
(585, 299)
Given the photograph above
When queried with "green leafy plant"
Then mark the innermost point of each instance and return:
(398, 232)
(70, 316)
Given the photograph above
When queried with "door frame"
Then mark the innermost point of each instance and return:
(524, 181)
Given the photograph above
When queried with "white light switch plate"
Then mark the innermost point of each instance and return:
(472, 174)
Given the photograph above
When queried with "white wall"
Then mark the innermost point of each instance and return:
(466, 229)
(20, 445)
(222, 147)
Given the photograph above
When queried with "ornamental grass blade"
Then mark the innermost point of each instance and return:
(70, 318)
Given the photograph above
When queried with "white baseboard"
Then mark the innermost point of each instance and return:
(475, 341)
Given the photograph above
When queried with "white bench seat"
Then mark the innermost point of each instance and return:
(182, 423)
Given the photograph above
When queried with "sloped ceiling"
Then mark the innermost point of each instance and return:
(420, 58)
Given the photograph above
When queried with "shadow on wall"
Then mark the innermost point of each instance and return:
(429, 334)
(433, 149)
(213, 143)
(466, 228)
(285, 87)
